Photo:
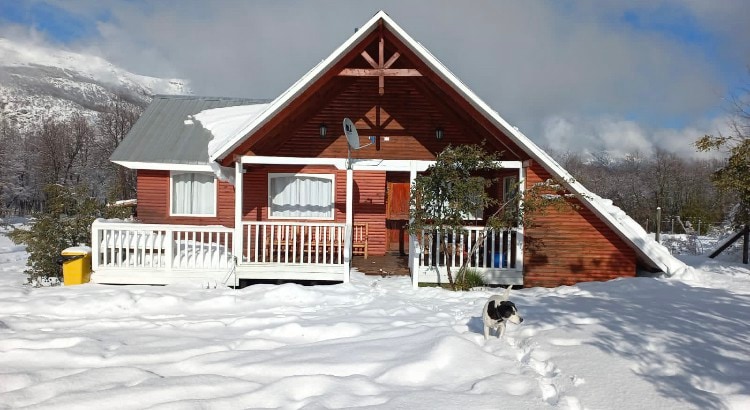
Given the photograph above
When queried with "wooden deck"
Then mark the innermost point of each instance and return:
(386, 265)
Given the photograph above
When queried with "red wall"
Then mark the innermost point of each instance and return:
(153, 202)
(572, 245)
(564, 247)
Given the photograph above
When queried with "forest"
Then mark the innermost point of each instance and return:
(73, 152)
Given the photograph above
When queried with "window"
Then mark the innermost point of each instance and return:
(510, 193)
(193, 194)
(477, 215)
(510, 188)
(300, 196)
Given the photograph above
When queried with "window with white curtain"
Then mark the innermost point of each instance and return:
(300, 196)
(193, 194)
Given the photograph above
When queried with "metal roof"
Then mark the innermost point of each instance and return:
(165, 133)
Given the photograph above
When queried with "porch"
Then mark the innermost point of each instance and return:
(285, 248)
(137, 253)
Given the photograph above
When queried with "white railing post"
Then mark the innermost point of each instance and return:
(520, 231)
(519, 250)
(349, 223)
(169, 249)
(94, 246)
(237, 235)
(414, 250)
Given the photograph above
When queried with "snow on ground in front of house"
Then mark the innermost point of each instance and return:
(375, 343)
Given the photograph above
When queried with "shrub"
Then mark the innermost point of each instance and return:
(64, 222)
(470, 279)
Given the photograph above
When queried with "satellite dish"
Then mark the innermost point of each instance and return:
(352, 137)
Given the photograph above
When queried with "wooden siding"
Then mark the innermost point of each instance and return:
(570, 246)
(410, 115)
(368, 200)
(154, 202)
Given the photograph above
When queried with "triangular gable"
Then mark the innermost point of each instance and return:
(295, 90)
(624, 226)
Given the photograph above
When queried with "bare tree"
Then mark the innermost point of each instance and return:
(50, 143)
(113, 125)
(77, 148)
(734, 175)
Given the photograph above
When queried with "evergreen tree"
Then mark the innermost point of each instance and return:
(64, 222)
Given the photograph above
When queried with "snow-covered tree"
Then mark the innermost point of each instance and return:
(113, 125)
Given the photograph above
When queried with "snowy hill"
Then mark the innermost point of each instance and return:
(38, 83)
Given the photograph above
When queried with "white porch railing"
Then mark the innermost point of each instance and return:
(497, 255)
(306, 243)
(155, 247)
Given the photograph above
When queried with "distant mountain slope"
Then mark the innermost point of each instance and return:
(37, 83)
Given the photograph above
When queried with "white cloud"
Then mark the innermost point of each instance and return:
(620, 137)
(537, 63)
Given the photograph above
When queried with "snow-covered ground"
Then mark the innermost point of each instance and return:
(376, 343)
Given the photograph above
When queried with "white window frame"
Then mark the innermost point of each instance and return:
(331, 177)
(508, 180)
(477, 215)
(171, 195)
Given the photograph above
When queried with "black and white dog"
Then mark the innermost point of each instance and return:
(497, 312)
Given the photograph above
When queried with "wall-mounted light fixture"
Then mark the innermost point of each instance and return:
(323, 130)
(439, 133)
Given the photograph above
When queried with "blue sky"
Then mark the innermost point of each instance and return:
(58, 24)
(573, 74)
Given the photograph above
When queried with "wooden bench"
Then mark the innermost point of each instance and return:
(360, 233)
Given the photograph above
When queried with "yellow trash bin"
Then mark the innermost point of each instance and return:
(76, 264)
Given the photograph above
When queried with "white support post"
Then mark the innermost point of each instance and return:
(349, 223)
(169, 249)
(413, 245)
(237, 235)
(520, 230)
(95, 246)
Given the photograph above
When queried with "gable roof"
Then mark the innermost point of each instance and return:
(649, 251)
(165, 133)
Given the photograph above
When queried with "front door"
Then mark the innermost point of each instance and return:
(397, 215)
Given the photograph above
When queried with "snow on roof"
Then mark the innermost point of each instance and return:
(628, 229)
(656, 252)
(124, 202)
(615, 217)
(165, 134)
(224, 122)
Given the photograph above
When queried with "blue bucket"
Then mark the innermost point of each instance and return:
(500, 260)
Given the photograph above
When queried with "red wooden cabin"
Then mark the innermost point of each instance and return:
(233, 189)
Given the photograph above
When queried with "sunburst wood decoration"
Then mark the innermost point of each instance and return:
(381, 68)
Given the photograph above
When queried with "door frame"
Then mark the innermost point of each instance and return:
(402, 245)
